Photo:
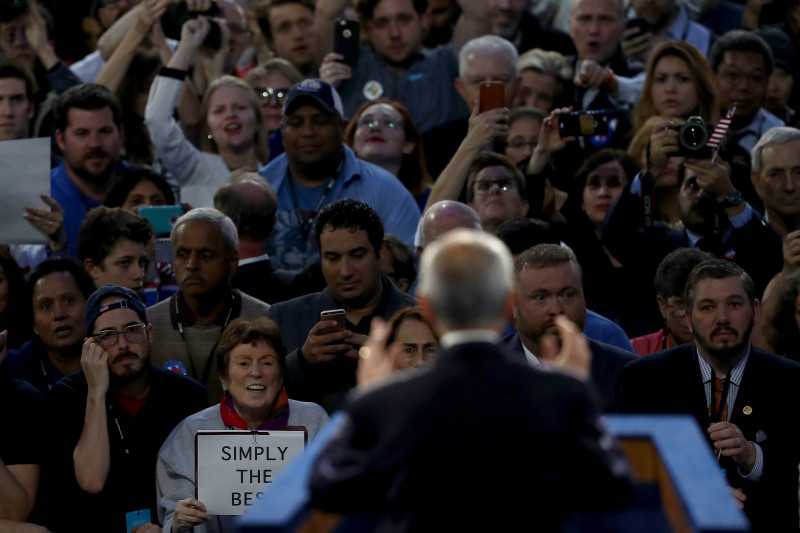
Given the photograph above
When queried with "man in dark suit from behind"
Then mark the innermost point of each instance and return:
(740, 395)
(251, 203)
(549, 284)
(473, 442)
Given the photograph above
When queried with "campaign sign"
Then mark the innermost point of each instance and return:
(233, 469)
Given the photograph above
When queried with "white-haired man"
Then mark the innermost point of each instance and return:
(402, 453)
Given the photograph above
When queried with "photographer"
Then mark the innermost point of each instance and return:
(714, 216)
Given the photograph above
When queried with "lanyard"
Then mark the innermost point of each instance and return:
(210, 359)
(306, 225)
(125, 448)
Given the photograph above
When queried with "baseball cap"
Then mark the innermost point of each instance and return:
(128, 299)
(314, 92)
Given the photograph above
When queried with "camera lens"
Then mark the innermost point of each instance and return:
(693, 137)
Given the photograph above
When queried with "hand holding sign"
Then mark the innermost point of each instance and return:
(188, 514)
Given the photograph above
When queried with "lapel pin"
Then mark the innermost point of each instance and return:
(747, 410)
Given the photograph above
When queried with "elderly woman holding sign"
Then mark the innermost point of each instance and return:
(251, 359)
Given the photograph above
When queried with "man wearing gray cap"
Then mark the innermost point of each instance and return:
(111, 418)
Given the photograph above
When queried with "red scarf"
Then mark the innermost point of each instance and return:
(278, 418)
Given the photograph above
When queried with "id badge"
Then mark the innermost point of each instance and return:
(137, 518)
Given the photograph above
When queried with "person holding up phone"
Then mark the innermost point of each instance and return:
(391, 64)
(667, 20)
(230, 108)
(487, 83)
(323, 352)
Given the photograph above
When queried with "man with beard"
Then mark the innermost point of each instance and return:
(739, 395)
(323, 354)
(111, 419)
(549, 283)
(188, 325)
(714, 215)
(89, 132)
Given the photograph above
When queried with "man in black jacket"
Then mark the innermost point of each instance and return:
(413, 452)
(741, 396)
(549, 284)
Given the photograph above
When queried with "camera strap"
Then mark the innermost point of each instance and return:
(648, 198)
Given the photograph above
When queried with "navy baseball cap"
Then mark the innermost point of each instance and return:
(313, 92)
(128, 299)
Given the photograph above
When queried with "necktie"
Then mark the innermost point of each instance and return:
(720, 405)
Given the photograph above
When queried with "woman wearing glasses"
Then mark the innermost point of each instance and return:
(231, 112)
(271, 81)
(382, 132)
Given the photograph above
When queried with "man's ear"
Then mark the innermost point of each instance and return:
(425, 306)
(755, 179)
(234, 264)
(91, 268)
(510, 307)
(60, 139)
(461, 87)
(662, 306)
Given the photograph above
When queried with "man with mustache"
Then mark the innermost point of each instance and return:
(740, 395)
(89, 132)
(111, 418)
(188, 325)
(549, 283)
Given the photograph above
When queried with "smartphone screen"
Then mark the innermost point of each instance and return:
(492, 95)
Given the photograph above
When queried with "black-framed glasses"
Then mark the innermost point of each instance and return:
(134, 334)
(504, 184)
(269, 94)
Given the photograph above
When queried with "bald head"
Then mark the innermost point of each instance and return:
(446, 216)
(250, 202)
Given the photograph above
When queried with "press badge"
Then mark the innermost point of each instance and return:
(137, 518)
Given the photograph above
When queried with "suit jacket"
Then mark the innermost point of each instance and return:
(472, 442)
(755, 246)
(670, 382)
(263, 281)
(607, 363)
(324, 383)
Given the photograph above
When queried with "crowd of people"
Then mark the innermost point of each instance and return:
(517, 183)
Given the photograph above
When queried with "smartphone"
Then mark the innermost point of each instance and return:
(345, 40)
(582, 123)
(162, 217)
(641, 25)
(337, 315)
(492, 94)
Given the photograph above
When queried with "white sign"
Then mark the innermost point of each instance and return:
(24, 176)
(234, 468)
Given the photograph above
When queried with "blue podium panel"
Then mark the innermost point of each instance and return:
(679, 486)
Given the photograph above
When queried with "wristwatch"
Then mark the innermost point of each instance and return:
(732, 199)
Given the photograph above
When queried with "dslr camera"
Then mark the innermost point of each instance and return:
(692, 139)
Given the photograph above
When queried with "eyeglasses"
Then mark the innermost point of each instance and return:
(483, 186)
(134, 334)
(268, 94)
(371, 122)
